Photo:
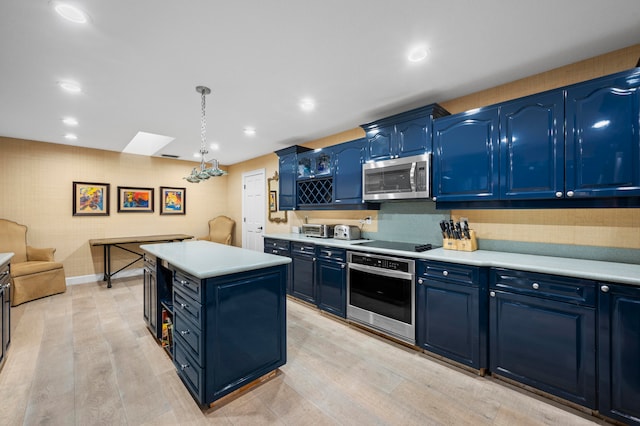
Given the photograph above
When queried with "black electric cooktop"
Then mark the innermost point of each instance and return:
(397, 245)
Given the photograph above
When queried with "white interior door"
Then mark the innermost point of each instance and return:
(253, 209)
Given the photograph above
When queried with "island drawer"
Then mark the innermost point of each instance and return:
(191, 334)
(188, 284)
(561, 288)
(189, 371)
(187, 306)
(275, 246)
(450, 272)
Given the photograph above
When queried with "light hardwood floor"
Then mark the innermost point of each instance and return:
(85, 357)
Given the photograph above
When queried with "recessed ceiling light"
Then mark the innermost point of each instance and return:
(70, 136)
(70, 121)
(418, 53)
(71, 13)
(249, 131)
(307, 104)
(197, 155)
(70, 86)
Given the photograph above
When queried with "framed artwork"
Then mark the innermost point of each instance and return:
(135, 200)
(273, 201)
(90, 199)
(173, 200)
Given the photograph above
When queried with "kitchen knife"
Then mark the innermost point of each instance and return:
(465, 227)
(444, 229)
(448, 230)
(458, 231)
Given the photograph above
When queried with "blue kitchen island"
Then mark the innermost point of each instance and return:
(224, 309)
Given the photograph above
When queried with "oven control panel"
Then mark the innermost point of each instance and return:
(393, 264)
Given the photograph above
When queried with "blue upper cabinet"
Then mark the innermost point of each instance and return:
(603, 139)
(532, 147)
(347, 176)
(401, 135)
(288, 166)
(466, 156)
(317, 163)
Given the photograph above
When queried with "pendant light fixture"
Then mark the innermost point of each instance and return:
(204, 173)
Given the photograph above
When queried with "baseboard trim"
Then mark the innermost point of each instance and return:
(84, 279)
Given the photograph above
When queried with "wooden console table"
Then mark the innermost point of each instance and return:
(107, 243)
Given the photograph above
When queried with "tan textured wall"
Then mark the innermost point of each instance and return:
(36, 190)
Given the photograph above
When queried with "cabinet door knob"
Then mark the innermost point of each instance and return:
(445, 273)
(314, 259)
(435, 198)
(183, 306)
(569, 193)
(559, 194)
(184, 332)
(184, 366)
(492, 294)
(343, 265)
(535, 286)
(420, 281)
(604, 288)
(275, 251)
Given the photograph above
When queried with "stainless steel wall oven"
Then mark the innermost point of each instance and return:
(381, 294)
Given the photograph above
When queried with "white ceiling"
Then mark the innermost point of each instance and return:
(139, 62)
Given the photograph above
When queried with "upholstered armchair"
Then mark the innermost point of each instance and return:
(220, 230)
(34, 272)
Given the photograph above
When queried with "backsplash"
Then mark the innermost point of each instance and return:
(409, 221)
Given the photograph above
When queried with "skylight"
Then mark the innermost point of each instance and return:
(144, 143)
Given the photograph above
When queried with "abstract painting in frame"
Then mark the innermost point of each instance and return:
(90, 199)
(135, 200)
(173, 200)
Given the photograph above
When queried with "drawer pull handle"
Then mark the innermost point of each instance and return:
(535, 286)
(183, 306)
(275, 251)
(492, 294)
(605, 288)
(445, 273)
(184, 332)
(184, 366)
(4, 273)
(184, 283)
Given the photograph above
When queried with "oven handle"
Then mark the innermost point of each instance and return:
(378, 271)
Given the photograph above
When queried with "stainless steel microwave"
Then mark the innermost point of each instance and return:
(397, 179)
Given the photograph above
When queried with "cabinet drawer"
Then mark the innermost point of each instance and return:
(188, 307)
(453, 272)
(189, 370)
(553, 287)
(188, 284)
(303, 249)
(332, 253)
(191, 334)
(279, 247)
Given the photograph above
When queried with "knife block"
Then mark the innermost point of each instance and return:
(461, 245)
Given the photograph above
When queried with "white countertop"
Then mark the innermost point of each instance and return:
(204, 259)
(5, 257)
(624, 273)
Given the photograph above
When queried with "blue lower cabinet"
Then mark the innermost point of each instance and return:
(542, 332)
(280, 248)
(331, 280)
(229, 330)
(451, 318)
(619, 352)
(303, 261)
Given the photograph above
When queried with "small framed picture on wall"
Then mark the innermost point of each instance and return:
(173, 200)
(90, 199)
(135, 200)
